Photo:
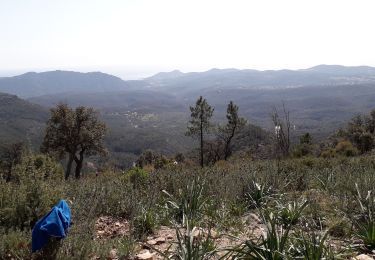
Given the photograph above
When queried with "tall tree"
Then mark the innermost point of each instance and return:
(77, 132)
(227, 132)
(199, 123)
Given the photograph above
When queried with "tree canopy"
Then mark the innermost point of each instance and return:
(199, 123)
(77, 132)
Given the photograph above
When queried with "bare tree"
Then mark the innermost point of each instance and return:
(282, 131)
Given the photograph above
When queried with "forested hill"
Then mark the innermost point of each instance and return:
(21, 120)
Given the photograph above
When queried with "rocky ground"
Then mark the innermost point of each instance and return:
(163, 241)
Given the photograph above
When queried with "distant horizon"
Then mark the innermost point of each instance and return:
(126, 73)
(135, 39)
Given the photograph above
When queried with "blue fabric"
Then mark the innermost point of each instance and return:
(54, 224)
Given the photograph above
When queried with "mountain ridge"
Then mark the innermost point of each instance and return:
(33, 84)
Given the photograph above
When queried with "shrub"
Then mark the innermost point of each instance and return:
(15, 245)
(346, 148)
(24, 203)
(302, 150)
(137, 176)
(39, 166)
(328, 153)
(161, 162)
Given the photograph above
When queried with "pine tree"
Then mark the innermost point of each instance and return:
(228, 132)
(199, 123)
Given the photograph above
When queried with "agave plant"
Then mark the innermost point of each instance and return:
(258, 194)
(273, 245)
(312, 246)
(188, 208)
(366, 232)
(291, 213)
(366, 222)
(190, 202)
(191, 246)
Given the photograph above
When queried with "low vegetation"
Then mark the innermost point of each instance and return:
(309, 207)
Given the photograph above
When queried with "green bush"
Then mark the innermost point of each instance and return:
(328, 153)
(137, 176)
(346, 148)
(15, 245)
(23, 204)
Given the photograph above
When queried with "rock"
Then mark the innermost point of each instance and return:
(362, 257)
(255, 218)
(160, 240)
(113, 254)
(146, 256)
(214, 234)
(152, 242)
(156, 241)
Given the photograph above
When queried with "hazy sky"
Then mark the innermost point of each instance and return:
(190, 35)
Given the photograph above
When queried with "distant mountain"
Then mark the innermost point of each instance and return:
(176, 82)
(337, 70)
(167, 75)
(322, 75)
(21, 120)
(33, 84)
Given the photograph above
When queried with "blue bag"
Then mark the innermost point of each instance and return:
(54, 224)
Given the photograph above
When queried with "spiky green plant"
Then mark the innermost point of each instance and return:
(312, 246)
(145, 223)
(190, 202)
(192, 244)
(291, 213)
(366, 224)
(258, 194)
(273, 245)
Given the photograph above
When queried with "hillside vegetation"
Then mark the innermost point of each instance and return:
(21, 121)
(315, 207)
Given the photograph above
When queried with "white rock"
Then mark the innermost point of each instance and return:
(152, 242)
(113, 254)
(146, 256)
(362, 257)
